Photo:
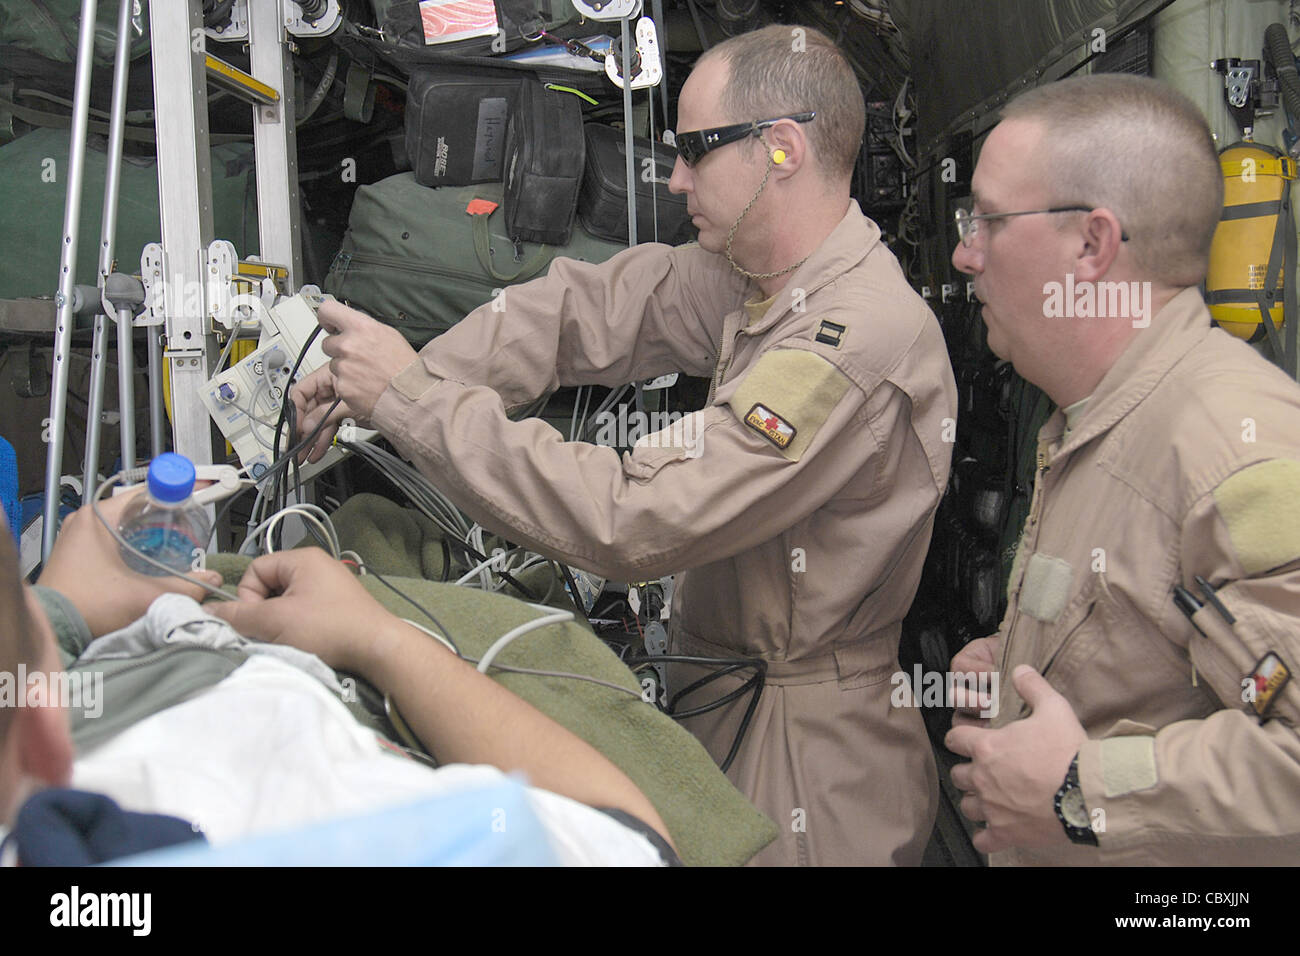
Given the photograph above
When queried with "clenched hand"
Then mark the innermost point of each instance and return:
(364, 357)
(1011, 782)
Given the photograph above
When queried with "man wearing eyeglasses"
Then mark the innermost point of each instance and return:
(798, 502)
(1146, 713)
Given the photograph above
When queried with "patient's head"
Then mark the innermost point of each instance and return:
(34, 741)
(17, 637)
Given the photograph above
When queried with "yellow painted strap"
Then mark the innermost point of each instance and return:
(240, 82)
(261, 270)
(1283, 166)
(1248, 316)
(799, 386)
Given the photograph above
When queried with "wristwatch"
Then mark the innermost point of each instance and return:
(1071, 809)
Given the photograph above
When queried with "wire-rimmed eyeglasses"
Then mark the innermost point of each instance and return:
(968, 225)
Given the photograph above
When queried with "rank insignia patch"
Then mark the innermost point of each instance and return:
(1268, 678)
(830, 333)
(770, 425)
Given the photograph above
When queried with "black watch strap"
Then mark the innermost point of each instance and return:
(1071, 809)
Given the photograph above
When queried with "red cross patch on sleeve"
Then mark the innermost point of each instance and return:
(770, 425)
(1268, 678)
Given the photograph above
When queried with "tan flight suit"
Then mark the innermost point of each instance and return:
(1185, 462)
(802, 534)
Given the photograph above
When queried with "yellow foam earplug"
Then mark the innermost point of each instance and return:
(778, 157)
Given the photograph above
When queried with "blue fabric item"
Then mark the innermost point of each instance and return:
(76, 828)
(9, 489)
(492, 826)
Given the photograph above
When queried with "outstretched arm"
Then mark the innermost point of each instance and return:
(649, 310)
(310, 601)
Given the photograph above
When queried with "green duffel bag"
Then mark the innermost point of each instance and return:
(34, 173)
(415, 257)
(51, 28)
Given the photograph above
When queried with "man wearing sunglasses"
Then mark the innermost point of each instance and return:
(1146, 715)
(798, 503)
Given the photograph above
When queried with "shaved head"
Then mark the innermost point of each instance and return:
(780, 70)
(1139, 148)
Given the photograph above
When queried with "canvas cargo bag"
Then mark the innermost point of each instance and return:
(456, 124)
(602, 202)
(418, 260)
(544, 161)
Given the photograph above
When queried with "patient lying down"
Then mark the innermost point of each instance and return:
(266, 745)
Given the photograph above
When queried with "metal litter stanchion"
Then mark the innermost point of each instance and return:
(156, 423)
(98, 363)
(86, 302)
(628, 50)
(67, 276)
(124, 295)
(107, 241)
(126, 385)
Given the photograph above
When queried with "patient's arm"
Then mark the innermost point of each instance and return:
(86, 567)
(306, 599)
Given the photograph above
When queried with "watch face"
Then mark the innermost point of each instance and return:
(1074, 809)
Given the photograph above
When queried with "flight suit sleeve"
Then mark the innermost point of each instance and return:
(649, 310)
(710, 486)
(1224, 785)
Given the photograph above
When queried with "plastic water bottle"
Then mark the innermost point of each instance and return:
(165, 523)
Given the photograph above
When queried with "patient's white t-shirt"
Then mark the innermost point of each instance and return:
(271, 747)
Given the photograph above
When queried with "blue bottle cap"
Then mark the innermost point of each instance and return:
(171, 477)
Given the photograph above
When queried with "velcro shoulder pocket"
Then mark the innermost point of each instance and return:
(787, 397)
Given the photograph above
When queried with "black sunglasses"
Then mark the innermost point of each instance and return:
(692, 146)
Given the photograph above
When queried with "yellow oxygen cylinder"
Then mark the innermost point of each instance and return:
(1255, 179)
